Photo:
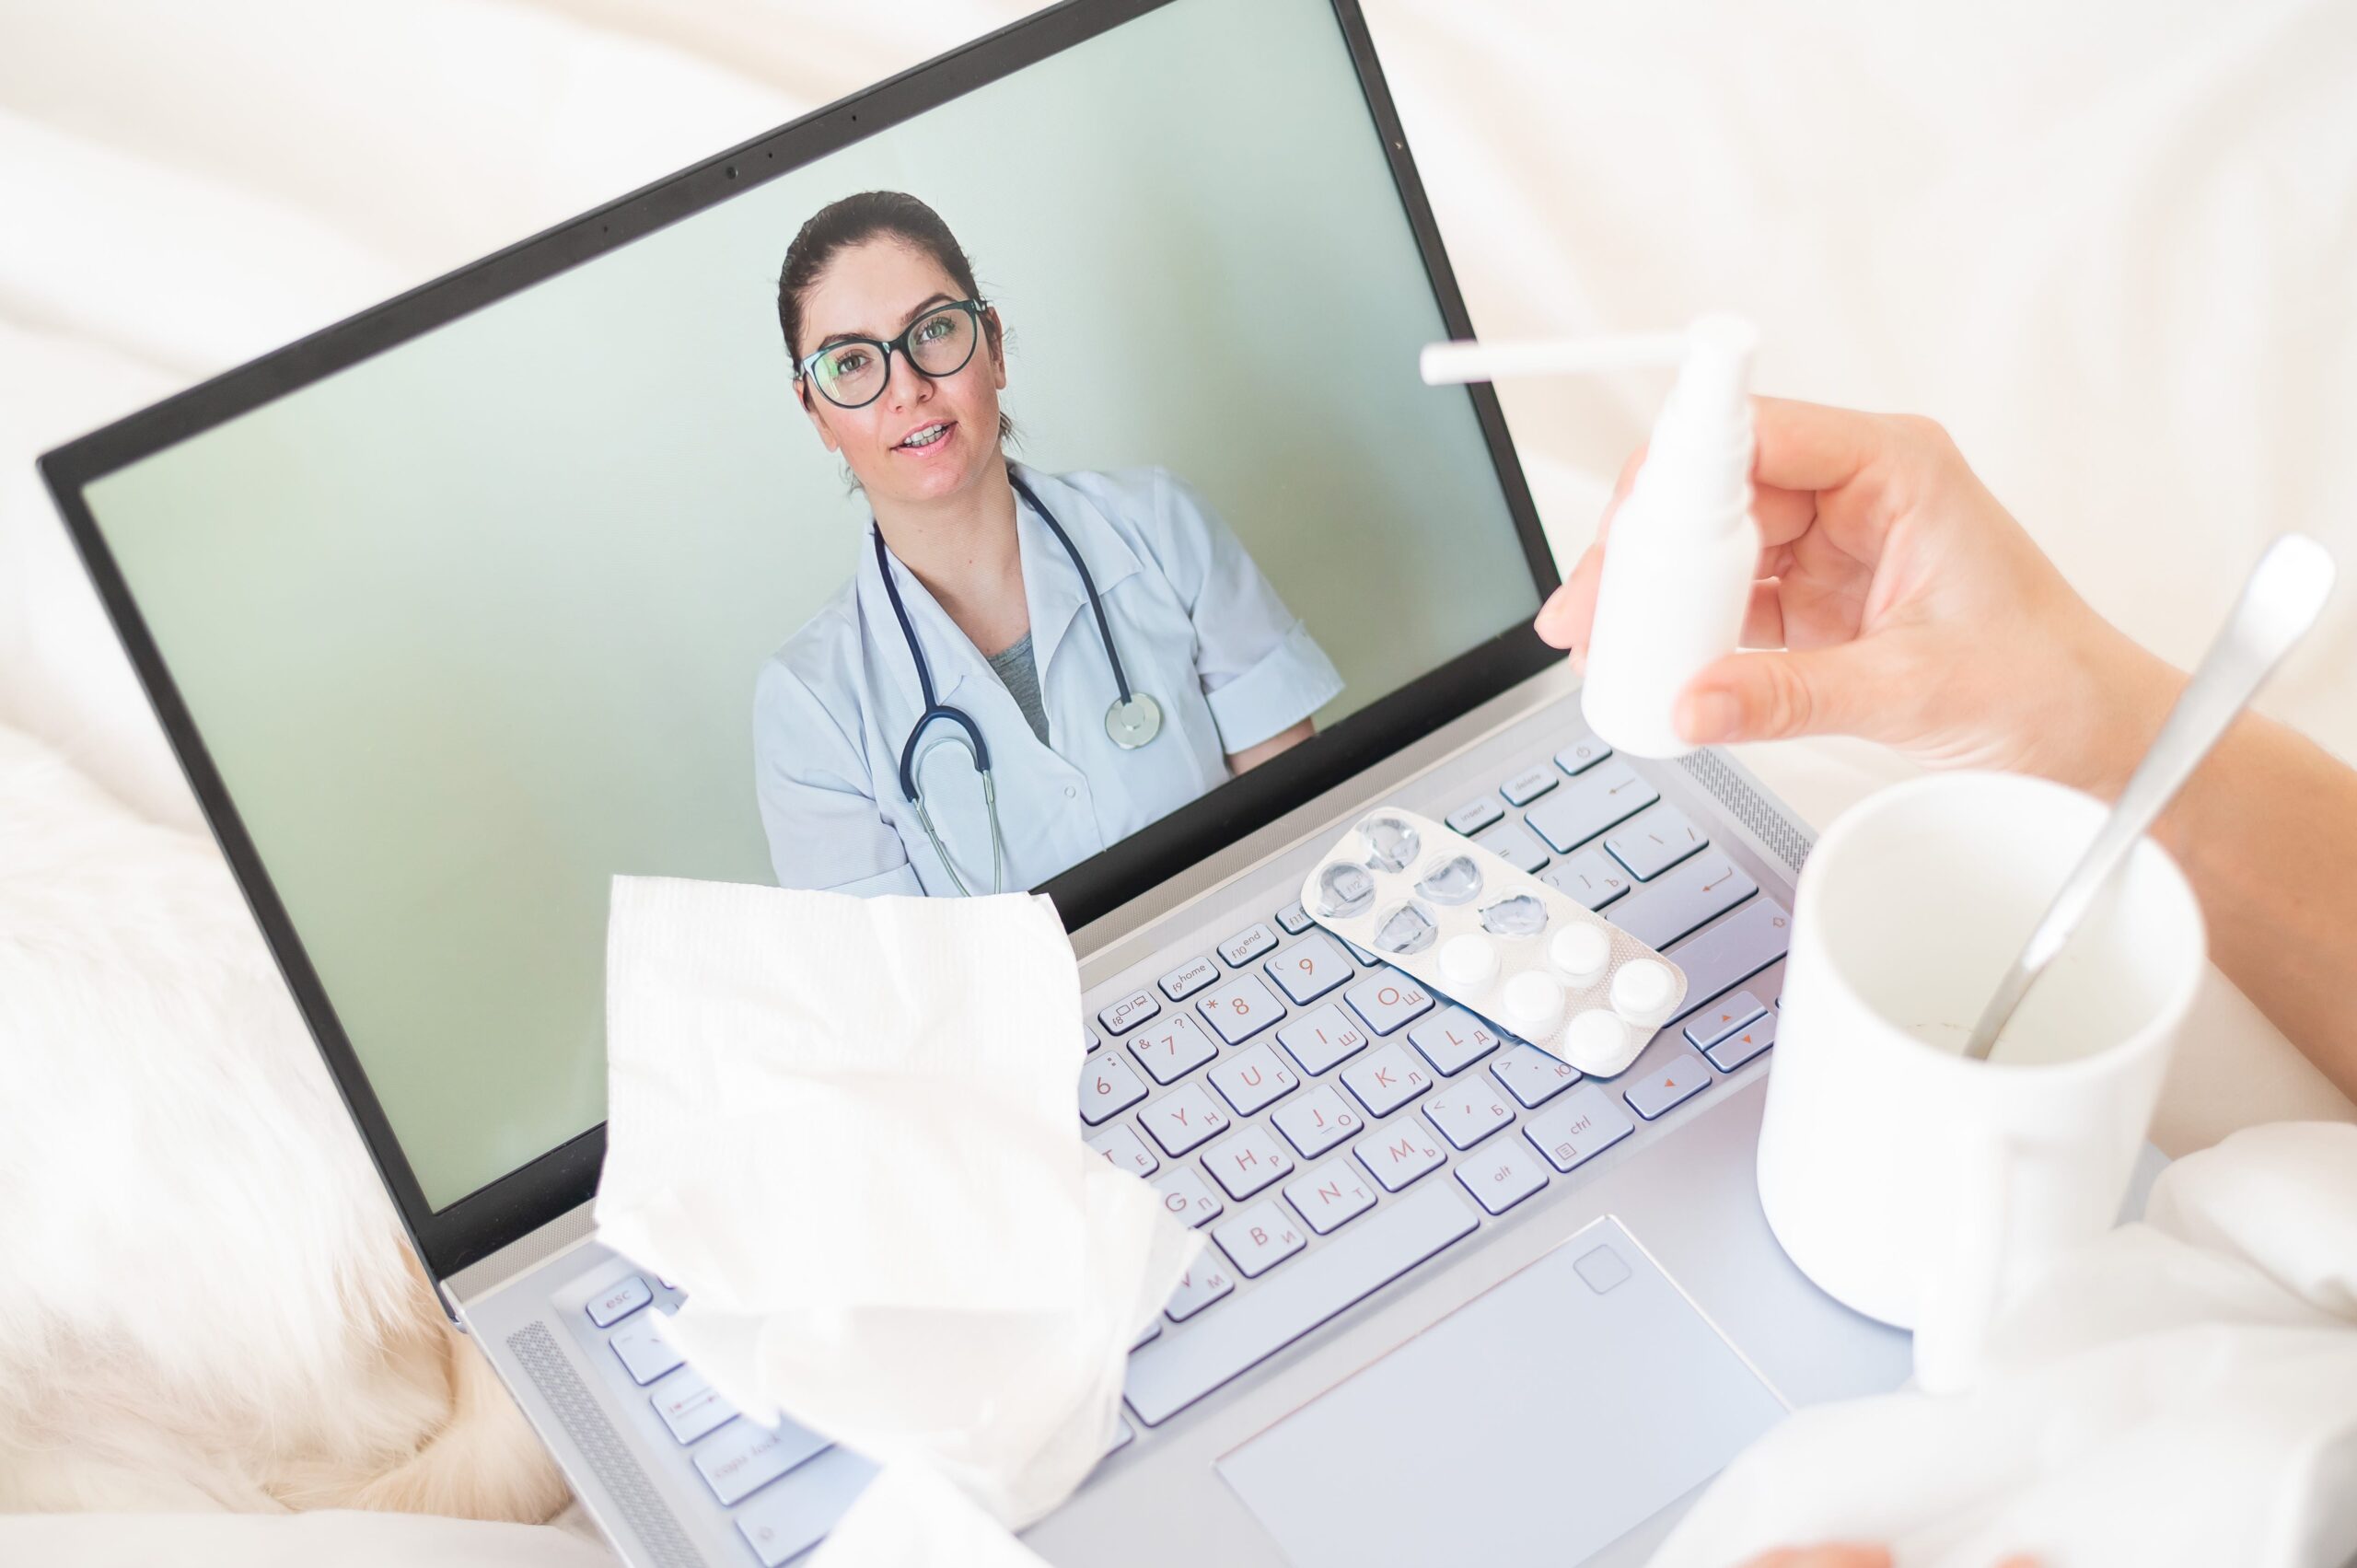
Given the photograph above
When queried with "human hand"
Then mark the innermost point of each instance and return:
(1833, 1555)
(1911, 608)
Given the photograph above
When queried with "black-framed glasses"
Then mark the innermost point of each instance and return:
(852, 372)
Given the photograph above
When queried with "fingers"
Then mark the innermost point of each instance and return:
(1809, 446)
(1832, 1554)
(1763, 617)
(1563, 620)
(1778, 696)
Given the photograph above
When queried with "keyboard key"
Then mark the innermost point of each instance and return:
(1589, 876)
(1387, 1079)
(1241, 1008)
(1106, 1088)
(1318, 1120)
(1467, 1112)
(1580, 1126)
(1258, 1239)
(1399, 1154)
(1247, 1162)
(1453, 1039)
(689, 1406)
(1503, 1176)
(1744, 1044)
(1123, 1150)
(1185, 1197)
(1581, 754)
(744, 1459)
(1177, 1369)
(1320, 1039)
(1309, 969)
(1293, 919)
(1200, 1285)
(1529, 784)
(1684, 898)
(783, 1522)
(1095, 1039)
(1361, 954)
(1254, 1077)
(1335, 1191)
(1722, 1018)
(1674, 1083)
(1129, 1011)
(1475, 815)
(1172, 1048)
(1184, 1117)
(1532, 1076)
(1736, 948)
(1149, 1331)
(1511, 844)
(617, 1301)
(1386, 999)
(1190, 977)
(645, 1354)
(1654, 842)
(1602, 798)
(1246, 944)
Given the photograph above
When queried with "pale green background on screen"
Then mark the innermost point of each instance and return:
(473, 626)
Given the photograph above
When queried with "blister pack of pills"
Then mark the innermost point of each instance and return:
(1538, 964)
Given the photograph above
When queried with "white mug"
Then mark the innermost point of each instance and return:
(1913, 1185)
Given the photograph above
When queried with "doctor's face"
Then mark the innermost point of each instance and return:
(874, 290)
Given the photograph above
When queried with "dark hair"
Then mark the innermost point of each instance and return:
(854, 220)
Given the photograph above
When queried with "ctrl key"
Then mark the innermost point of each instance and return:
(1580, 1126)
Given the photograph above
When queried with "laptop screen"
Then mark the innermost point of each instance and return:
(1103, 370)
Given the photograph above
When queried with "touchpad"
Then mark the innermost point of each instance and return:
(1537, 1423)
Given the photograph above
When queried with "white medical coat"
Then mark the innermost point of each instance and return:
(1199, 628)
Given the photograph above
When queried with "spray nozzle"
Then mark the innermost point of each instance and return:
(1713, 356)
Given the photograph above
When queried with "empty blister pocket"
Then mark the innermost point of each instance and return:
(1468, 924)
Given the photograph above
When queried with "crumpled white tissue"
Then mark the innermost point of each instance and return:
(847, 1129)
(2179, 1393)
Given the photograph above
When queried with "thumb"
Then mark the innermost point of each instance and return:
(1778, 696)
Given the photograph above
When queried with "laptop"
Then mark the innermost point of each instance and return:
(458, 608)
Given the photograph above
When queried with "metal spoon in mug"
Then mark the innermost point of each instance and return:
(2280, 602)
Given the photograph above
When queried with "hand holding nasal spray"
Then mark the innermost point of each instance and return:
(1678, 577)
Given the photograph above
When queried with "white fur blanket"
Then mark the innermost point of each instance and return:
(2109, 245)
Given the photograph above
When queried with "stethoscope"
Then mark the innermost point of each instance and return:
(1133, 720)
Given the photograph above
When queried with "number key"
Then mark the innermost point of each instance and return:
(1309, 969)
(1106, 1086)
(1241, 1009)
(1172, 1048)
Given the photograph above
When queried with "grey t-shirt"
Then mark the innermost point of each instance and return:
(1016, 667)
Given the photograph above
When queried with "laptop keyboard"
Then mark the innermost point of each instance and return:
(1330, 1123)
(1353, 1125)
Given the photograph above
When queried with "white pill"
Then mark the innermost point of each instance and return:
(1581, 951)
(1470, 959)
(1534, 1003)
(1640, 992)
(1595, 1042)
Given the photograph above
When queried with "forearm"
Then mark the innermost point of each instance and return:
(2266, 830)
(1252, 757)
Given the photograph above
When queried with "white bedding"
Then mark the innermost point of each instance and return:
(2109, 245)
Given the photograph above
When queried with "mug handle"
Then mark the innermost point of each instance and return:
(1959, 1291)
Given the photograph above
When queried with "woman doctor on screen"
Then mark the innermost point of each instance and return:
(1099, 640)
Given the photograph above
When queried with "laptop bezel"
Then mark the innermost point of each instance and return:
(564, 1178)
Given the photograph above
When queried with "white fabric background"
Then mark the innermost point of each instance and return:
(2109, 245)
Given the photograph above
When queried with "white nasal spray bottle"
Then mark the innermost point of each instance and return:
(1679, 571)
